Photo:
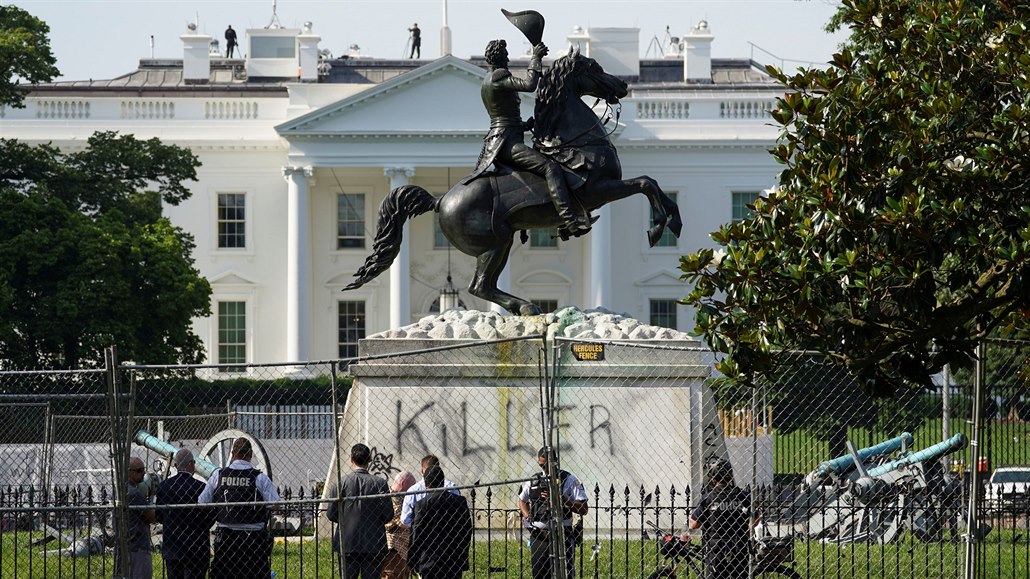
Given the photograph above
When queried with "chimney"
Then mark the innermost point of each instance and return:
(445, 36)
(196, 58)
(617, 50)
(308, 43)
(697, 54)
(579, 38)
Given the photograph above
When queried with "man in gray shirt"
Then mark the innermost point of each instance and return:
(137, 527)
(360, 536)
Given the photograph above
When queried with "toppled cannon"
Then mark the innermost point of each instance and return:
(812, 512)
(216, 447)
(845, 464)
(204, 468)
(873, 498)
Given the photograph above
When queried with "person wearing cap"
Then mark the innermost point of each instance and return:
(243, 546)
(723, 516)
(138, 523)
(535, 505)
(186, 542)
(416, 41)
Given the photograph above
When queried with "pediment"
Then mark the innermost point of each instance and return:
(660, 278)
(442, 97)
(544, 277)
(343, 279)
(231, 278)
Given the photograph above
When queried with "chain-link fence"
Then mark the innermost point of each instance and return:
(633, 431)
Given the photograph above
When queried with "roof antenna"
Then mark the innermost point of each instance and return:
(275, 17)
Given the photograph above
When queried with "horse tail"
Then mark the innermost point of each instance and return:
(400, 204)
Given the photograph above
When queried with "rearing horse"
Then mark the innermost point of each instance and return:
(480, 219)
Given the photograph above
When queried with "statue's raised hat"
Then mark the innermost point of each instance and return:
(530, 22)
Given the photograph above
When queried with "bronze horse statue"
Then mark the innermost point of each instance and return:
(480, 219)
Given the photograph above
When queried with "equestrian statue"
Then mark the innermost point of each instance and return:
(571, 169)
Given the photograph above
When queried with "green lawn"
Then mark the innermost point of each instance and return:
(1009, 443)
(1005, 554)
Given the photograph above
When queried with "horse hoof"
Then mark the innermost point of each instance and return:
(653, 235)
(677, 227)
(529, 310)
(575, 229)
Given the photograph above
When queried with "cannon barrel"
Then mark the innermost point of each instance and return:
(953, 444)
(204, 468)
(845, 463)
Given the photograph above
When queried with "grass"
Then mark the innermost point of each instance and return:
(1005, 553)
(1007, 443)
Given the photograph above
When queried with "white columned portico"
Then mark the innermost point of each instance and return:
(400, 271)
(298, 263)
(601, 260)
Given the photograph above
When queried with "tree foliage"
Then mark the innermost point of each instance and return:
(24, 54)
(898, 234)
(87, 259)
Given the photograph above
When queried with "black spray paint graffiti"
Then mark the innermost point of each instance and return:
(411, 431)
(382, 464)
(711, 441)
(605, 426)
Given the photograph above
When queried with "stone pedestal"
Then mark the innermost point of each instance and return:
(641, 415)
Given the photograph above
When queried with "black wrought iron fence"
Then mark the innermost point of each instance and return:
(635, 424)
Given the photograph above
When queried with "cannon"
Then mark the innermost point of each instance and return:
(868, 496)
(913, 491)
(811, 511)
(213, 454)
(845, 464)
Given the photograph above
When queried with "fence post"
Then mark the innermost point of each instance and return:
(549, 404)
(752, 560)
(119, 462)
(972, 522)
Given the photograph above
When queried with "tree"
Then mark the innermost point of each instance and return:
(898, 235)
(87, 259)
(24, 54)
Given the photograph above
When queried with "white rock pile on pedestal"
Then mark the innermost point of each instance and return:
(570, 322)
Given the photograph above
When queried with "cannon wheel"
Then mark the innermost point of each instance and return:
(218, 450)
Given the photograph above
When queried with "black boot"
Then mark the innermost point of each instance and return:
(574, 223)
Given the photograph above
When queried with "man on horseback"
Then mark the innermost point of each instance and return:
(505, 142)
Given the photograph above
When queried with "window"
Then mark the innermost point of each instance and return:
(350, 221)
(740, 202)
(668, 239)
(232, 335)
(232, 225)
(543, 238)
(663, 313)
(546, 306)
(440, 240)
(351, 327)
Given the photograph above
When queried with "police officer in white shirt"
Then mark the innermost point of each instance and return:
(536, 515)
(243, 546)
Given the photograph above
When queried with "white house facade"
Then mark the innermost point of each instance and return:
(298, 150)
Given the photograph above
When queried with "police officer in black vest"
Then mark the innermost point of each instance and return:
(535, 505)
(724, 517)
(243, 547)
